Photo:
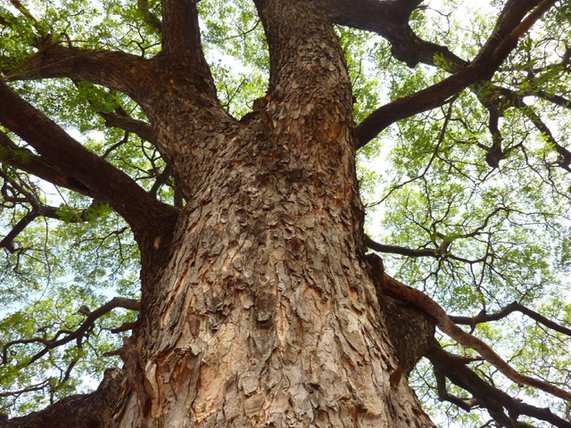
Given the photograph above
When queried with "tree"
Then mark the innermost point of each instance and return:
(260, 301)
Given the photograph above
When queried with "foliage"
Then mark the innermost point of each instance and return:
(500, 229)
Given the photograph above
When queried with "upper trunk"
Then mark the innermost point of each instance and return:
(265, 312)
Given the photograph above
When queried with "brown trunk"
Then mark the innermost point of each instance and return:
(265, 313)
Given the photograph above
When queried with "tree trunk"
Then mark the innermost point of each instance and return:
(260, 309)
(265, 313)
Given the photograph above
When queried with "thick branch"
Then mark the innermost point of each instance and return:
(390, 20)
(564, 155)
(372, 15)
(304, 51)
(553, 98)
(444, 395)
(403, 251)
(181, 34)
(149, 18)
(444, 323)
(116, 70)
(495, 401)
(27, 161)
(80, 411)
(511, 25)
(127, 123)
(103, 181)
(8, 241)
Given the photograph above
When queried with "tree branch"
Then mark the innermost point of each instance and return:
(390, 20)
(485, 395)
(31, 388)
(84, 410)
(40, 30)
(22, 193)
(181, 33)
(123, 121)
(25, 160)
(510, 27)
(422, 301)
(78, 334)
(12, 193)
(149, 18)
(512, 307)
(116, 70)
(552, 98)
(103, 181)
(376, 16)
(403, 251)
(8, 241)
(444, 395)
(564, 159)
(443, 248)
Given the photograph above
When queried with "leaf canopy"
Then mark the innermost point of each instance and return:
(471, 199)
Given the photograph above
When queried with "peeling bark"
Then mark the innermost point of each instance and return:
(258, 306)
(265, 312)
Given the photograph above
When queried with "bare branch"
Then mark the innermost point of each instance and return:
(15, 192)
(442, 251)
(8, 241)
(403, 251)
(434, 155)
(512, 307)
(31, 388)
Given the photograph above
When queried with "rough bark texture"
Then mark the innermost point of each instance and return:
(265, 313)
(258, 306)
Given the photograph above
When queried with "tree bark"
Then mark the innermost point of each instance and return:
(265, 313)
(258, 306)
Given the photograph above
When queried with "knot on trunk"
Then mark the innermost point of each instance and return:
(410, 330)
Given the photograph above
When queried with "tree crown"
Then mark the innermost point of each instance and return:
(463, 162)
